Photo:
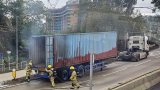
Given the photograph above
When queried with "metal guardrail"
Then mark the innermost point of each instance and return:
(157, 41)
(10, 66)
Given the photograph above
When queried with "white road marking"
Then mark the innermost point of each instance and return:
(115, 71)
(157, 57)
(143, 62)
(155, 53)
(151, 54)
(127, 68)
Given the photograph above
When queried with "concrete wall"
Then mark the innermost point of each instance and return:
(142, 82)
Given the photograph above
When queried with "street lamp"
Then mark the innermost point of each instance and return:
(17, 8)
(17, 42)
(9, 52)
(91, 70)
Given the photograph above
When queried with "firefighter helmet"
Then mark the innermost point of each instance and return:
(72, 68)
(30, 63)
(49, 66)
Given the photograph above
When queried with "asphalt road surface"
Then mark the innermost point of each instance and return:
(113, 74)
(155, 87)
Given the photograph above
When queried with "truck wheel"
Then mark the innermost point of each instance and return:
(146, 55)
(65, 75)
(138, 58)
(81, 71)
(134, 59)
(102, 66)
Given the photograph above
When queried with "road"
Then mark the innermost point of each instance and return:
(113, 74)
(155, 87)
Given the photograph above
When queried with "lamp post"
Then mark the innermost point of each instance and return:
(9, 52)
(91, 70)
(17, 42)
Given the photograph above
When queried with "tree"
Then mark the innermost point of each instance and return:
(109, 5)
(6, 29)
(29, 15)
(156, 3)
(3, 8)
(101, 10)
(34, 15)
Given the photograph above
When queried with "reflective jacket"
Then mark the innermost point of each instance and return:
(50, 72)
(73, 76)
(29, 69)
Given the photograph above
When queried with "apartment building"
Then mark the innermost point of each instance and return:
(65, 18)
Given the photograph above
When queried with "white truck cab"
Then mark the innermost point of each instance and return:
(138, 42)
(138, 48)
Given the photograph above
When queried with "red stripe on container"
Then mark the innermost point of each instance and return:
(75, 60)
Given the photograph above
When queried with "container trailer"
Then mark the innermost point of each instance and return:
(64, 50)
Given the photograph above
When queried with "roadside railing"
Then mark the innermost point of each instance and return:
(9, 66)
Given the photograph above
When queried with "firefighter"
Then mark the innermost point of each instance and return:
(28, 71)
(73, 78)
(50, 71)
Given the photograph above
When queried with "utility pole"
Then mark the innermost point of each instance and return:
(17, 42)
(91, 59)
(91, 70)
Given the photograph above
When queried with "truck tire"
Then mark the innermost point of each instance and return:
(64, 75)
(146, 55)
(102, 66)
(133, 59)
(81, 71)
(138, 58)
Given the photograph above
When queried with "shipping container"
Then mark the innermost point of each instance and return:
(62, 51)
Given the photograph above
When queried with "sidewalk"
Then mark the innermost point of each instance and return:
(8, 76)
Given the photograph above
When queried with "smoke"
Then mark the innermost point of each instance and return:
(34, 22)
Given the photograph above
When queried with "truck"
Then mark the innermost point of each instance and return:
(65, 50)
(137, 47)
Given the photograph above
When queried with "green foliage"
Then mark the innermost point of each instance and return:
(109, 15)
(108, 5)
(34, 13)
(156, 3)
(3, 8)
(29, 16)
(34, 10)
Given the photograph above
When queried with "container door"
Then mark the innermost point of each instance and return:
(49, 50)
(37, 51)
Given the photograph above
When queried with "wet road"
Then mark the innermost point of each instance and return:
(113, 74)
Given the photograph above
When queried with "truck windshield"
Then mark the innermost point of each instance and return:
(135, 42)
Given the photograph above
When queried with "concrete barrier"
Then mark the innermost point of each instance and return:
(142, 82)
